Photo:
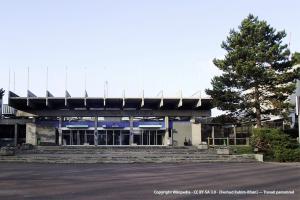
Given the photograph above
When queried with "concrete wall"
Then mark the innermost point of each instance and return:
(166, 140)
(20, 113)
(181, 130)
(46, 133)
(31, 136)
(112, 119)
(43, 133)
(196, 134)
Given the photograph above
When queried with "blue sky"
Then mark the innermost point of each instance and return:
(154, 45)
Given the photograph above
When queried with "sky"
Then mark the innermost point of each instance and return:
(149, 45)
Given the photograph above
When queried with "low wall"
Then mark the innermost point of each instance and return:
(35, 133)
(46, 134)
(31, 137)
(196, 134)
(181, 131)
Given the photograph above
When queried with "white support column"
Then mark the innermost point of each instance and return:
(166, 138)
(96, 131)
(196, 132)
(131, 130)
(200, 133)
(60, 140)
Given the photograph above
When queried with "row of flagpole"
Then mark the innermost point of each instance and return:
(47, 79)
(66, 82)
(14, 80)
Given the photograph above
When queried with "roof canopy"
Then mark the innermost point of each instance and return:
(103, 106)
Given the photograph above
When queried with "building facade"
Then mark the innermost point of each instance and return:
(104, 121)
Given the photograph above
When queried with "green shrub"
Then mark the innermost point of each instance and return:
(284, 154)
(275, 145)
(242, 149)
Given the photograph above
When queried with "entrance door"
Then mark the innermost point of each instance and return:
(90, 137)
(137, 138)
(74, 137)
(82, 137)
(117, 137)
(66, 137)
(160, 136)
(125, 137)
(110, 137)
(145, 138)
(102, 137)
(150, 137)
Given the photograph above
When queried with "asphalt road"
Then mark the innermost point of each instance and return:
(149, 181)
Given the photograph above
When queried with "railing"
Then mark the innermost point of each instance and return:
(226, 141)
(7, 110)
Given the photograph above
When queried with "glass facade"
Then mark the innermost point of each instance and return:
(149, 137)
(113, 137)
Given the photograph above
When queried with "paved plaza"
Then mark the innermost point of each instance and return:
(149, 181)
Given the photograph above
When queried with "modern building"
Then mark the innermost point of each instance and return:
(88, 120)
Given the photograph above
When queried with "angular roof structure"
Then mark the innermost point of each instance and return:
(104, 106)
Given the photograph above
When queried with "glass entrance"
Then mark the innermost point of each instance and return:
(125, 137)
(90, 138)
(82, 137)
(149, 137)
(102, 139)
(75, 137)
(113, 137)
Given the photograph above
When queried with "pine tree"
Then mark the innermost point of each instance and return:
(296, 58)
(257, 76)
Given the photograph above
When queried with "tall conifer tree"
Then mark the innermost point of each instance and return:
(257, 76)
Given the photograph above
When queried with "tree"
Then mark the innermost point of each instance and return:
(257, 76)
(296, 58)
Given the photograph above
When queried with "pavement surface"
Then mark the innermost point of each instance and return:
(150, 181)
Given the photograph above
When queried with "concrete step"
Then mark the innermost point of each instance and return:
(127, 154)
(108, 152)
(82, 158)
(114, 151)
(124, 161)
